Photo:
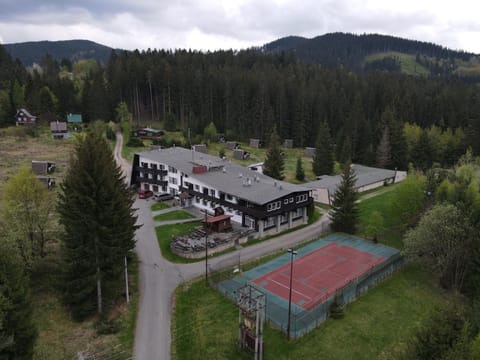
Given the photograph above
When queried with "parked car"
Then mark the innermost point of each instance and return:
(161, 196)
(145, 194)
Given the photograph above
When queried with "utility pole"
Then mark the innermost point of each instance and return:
(292, 253)
(206, 249)
(126, 281)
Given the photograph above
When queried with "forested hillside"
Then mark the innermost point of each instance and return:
(73, 50)
(354, 52)
(245, 93)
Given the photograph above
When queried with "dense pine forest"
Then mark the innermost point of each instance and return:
(246, 92)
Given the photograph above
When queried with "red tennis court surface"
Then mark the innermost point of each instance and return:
(319, 274)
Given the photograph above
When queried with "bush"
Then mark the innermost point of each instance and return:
(110, 133)
(336, 310)
(135, 142)
(105, 326)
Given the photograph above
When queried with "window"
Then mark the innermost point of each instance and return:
(172, 180)
(274, 206)
(196, 187)
(229, 197)
(172, 169)
(301, 198)
(153, 166)
(291, 200)
(270, 222)
(212, 192)
(140, 174)
(285, 201)
(144, 164)
(150, 176)
(162, 167)
(297, 213)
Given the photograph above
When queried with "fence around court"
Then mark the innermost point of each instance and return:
(223, 278)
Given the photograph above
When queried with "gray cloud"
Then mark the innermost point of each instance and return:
(212, 24)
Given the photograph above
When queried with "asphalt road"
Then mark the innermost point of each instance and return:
(159, 277)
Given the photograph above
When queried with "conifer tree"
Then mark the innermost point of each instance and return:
(17, 330)
(344, 212)
(299, 173)
(95, 208)
(383, 149)
(323, 159)
(274, 163)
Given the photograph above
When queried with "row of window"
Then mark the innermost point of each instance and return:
(152, 166)
(274, 206)
(277, 204)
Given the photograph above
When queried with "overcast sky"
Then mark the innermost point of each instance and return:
(235, 24)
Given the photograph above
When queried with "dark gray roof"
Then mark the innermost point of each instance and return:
(230, 178)
(365, 176)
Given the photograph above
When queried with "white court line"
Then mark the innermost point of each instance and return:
(293, 290)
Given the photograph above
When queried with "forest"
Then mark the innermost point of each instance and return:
(246, 92)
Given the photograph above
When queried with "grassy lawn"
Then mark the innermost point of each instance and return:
(174, 215)
(391, 236)
(159, 206)
(59, 337)
(165, 233)
(62, 338)
(258, 155)
(376, 326)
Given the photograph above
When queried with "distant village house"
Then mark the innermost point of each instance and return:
(148, 134)
(58, 129)
(23, 117)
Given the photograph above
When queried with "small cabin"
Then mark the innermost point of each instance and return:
(58, 129)
(43, 167)
(74, 119)
(148, 134)
(23, 117)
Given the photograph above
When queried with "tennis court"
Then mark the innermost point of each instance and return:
(318, 275)
(338, 266)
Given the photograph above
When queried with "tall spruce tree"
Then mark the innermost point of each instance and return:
(299, 172)
(323, 158)
(17, 329)
(344, 212)
(95, 208)
(274, 163)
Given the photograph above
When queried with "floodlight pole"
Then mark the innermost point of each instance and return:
(292, 253)
(206, 250)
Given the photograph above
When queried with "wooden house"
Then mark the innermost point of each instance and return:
(23, 117)
(58, 129)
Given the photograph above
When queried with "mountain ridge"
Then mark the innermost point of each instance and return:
(31, 52)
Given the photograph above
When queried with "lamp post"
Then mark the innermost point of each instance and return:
(206, 249)
(292, 254)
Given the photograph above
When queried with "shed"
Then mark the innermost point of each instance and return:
(240, 154)
(230, 145)
(254, 143)
(310, 151)
(288, 143)
(43, 167)
(220, 223)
